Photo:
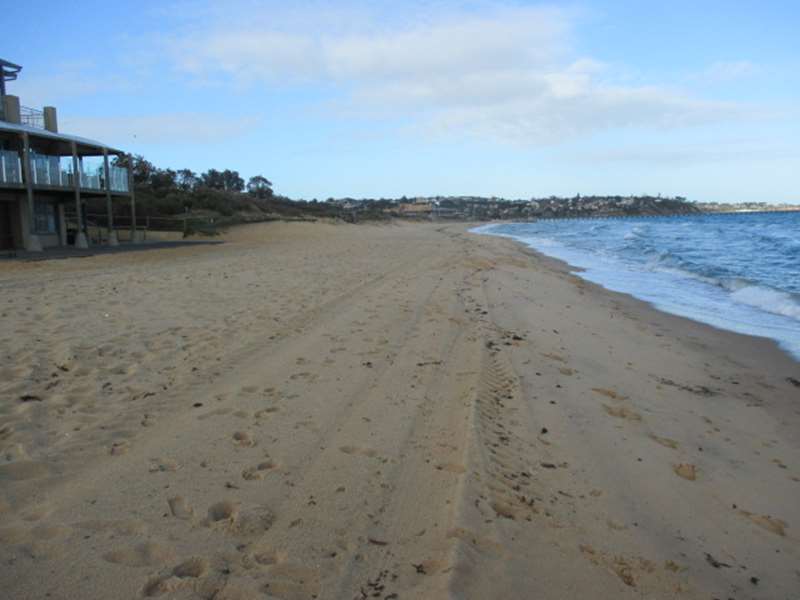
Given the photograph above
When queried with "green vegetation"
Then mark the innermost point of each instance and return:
(222, 195)
(183, 199)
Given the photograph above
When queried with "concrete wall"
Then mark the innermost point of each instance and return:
(50, 119)
(20, 227)
(24, 220)
(163, 236)
(49, 240)
(12, 109)
(124, 235)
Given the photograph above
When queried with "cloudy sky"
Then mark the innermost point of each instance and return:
(390, 98)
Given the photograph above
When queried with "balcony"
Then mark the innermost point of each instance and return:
(118, 179)
(10, 167)
(56, 172)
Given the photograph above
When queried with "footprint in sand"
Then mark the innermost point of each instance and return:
(685, 470)
(228, 515)
(34, 513)
(506, 510)
(119, 448)
(148, 554)
(214, 413)
(266, 557)
(243, 439)
(265, 412)
(608, 393)
(259, 471)
(664, 441)
(180, 508)
(451, 468)
(163, 465)
(180, 577)
(369, 452)
(192, 568)
(224, 511)
(622, 412)
(771, 524)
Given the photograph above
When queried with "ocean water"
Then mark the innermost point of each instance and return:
(739, 272)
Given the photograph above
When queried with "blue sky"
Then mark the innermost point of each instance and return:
(371, 99)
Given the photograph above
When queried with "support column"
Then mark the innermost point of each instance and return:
(62, 225)
(112, 233)
(80, 235)
(31, 239)
(132, 192)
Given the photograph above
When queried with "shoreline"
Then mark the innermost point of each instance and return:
(763, 343)
(570, 268)
(311, 410)
(763, 352)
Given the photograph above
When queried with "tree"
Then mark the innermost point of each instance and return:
(231, 181)
(260, 187)
(187, 180)
(142, 169)
(213, 179)
(162, 181)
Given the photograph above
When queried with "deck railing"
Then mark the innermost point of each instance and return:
(31, 117)
(92, 181)
(119, 179)
(51, 170)
(10, 167)
(56, 171)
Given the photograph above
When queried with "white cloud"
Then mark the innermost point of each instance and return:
(69, 81)
(670, 155)
(552, 117)
(161, 128)
(507, 73)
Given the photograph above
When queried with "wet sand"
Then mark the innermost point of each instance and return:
(399, 411)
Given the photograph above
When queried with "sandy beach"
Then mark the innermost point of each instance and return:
(314, 410)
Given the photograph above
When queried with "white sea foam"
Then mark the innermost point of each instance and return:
(773, 301)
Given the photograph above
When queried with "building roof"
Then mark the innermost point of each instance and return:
(43, 133)
(9, 70)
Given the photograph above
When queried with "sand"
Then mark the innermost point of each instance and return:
(399, 411)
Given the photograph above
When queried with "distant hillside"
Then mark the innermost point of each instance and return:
(183, 199)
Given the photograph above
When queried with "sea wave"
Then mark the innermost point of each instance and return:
(773, 301)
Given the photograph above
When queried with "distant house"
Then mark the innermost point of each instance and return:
(415, 208)
(43, 172)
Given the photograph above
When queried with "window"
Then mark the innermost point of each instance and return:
(44, 216)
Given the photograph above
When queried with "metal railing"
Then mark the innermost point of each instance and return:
(31, 117)
(10, 167)
(179, 224)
